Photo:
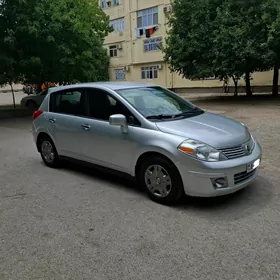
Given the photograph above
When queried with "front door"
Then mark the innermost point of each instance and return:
(66, 117)
(104, 144)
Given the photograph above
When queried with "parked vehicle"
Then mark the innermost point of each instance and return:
(168, 144)
(29, 89)
(33, 101)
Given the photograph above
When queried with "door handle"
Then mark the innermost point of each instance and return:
(85, 126)
(52, 120)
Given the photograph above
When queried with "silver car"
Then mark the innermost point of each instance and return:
(169, 145)
(33, 101)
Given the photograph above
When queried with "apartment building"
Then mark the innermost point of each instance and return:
(134, 46)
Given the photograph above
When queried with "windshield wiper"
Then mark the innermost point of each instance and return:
(194, 111)
(159, 117)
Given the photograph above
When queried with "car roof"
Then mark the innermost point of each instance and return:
(107, 85)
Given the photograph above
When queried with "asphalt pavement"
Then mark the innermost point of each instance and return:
(77, 223)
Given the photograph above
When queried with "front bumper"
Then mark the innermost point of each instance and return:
(196, 175)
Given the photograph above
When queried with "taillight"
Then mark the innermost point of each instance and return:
(36, 114)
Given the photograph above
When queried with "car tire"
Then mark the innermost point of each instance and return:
(48, 152)
(31, 105)
(162, 180)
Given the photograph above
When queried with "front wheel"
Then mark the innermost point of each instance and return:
(162, 180)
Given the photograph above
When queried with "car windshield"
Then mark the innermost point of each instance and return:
(158, 103)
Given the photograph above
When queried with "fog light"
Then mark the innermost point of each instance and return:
(220, 183)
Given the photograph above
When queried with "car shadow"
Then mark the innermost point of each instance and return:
(106, 176)
(243, 203)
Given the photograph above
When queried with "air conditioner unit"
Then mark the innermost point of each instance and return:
(126, 68)
(167, 9)
(109, 3)
(159, 67)
(119, 47)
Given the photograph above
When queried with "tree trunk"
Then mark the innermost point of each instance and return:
(235, 80)
(13, 93)
(275, 79)
(248, 84)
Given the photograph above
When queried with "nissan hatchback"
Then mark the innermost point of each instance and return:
(170, 146)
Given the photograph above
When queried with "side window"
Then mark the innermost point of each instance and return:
(102, 105)
(70, 102)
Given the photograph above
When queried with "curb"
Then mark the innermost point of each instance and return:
(14, 113)
(6, 90)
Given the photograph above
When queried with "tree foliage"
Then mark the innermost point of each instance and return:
(241, 34)
(227, 38)
(190, 39)
(55, 40)
(274, 46)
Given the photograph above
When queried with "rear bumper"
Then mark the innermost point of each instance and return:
(197, 179)
(34, 134)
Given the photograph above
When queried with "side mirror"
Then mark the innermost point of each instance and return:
(119, 120)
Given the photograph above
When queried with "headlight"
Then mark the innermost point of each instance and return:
(200, 151)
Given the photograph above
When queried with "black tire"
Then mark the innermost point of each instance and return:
(31, 105)
(176, 191)
(52, 161)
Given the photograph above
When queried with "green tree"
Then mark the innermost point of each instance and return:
(241, 38)
(9, 72)
(220, 38)
(274, 45)
(57, 40)
(190, 38)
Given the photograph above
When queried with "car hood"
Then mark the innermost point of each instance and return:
(215, 130)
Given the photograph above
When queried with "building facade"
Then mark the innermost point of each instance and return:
(140, 27)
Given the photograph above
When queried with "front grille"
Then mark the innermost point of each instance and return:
(239, 151)
(243, 176)
(234, 152)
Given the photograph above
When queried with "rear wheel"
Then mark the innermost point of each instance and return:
(162, 180)
(31, 105)
(48, 152)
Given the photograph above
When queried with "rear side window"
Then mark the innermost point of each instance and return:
(69, 102)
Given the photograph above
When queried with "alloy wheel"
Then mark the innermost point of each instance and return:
(47, 151)
(158, 181)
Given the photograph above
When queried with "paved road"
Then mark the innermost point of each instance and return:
(80, 224)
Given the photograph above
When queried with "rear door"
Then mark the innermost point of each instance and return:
(65, 118)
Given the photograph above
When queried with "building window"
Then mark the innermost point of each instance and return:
(113, 51)
(152, 44)
(103, 4)
(117, 24)
(147, 17)
(150, 72)
(120, 74)
(108, 3)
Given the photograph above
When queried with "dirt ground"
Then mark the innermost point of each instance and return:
(77, 223)
(260, 113)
